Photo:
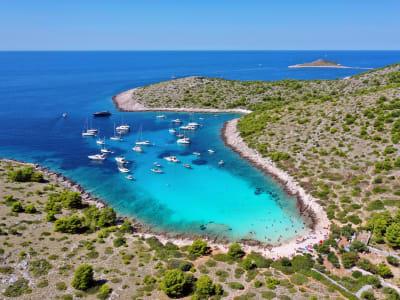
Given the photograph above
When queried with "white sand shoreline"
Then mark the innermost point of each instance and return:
(320, 231)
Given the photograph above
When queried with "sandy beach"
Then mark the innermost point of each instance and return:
(320, 227)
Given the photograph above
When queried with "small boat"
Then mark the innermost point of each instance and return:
(201, 118)
(123, 170)
(139, 139)
(157, 164)
(116, 138)
(221, 162)
(161, 116)
(171, 130)
(104, 113)
(97, 157)
(100, 142)
(121, 160)
(172, 159)
(88, 133)
(188, 127)
(184, 140)
(211, 151)
(105, 150)
(195, 124)
(124, 127)
(196, 153)
(156, 170)
(137, 149)
(187, 166)
(176, 121)
(93, 130)
(129, 177)
(64, 115)
(180, 135)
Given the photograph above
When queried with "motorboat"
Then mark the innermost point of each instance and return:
(130, 177)
(180, 135)
(100, 142)
(123, 170)
(161, 116)
(156, 170)
(188, 127)
(145, 143)
(187, 166)
(88, 133)
(211, 151)
(195, 124)
(196, 153)
(97, 157)
(137, 149)
(105, 151)
(171, 159)
(221, 162)
(184, 140)
(157, 164)
(104, 113)
(64, 115)
(124, 127)
(176, 121)
(171, 130)
(121, 160)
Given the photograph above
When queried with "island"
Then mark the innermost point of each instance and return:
(335, 144)
(320, 63)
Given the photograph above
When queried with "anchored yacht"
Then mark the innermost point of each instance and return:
(97, 157)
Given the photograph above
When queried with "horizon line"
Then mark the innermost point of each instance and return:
(183, 50)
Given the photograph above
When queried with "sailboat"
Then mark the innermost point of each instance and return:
(88, 132)
(141, 141)
(123, 127)
(115, 137)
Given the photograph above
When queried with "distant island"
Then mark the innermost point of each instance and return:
(320, 63)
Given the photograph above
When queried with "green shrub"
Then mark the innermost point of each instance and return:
(236, 285)
(39, 267)
(393, 261)
(199, 248)
(235, 251)
(384, 271)
(73, 224)
(18, 288)
(349, 259)
(61, 286)
(298, 279)
(83, 278)
(30, 209)
(17, 207)
(177, 284)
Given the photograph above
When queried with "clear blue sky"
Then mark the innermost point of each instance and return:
(202, 25)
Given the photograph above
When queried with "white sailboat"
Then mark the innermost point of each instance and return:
(116, 137)
(140, 141)
(88, 132)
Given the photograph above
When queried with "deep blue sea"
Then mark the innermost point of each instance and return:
(234, 200)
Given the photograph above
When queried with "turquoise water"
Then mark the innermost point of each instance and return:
(234, 200)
